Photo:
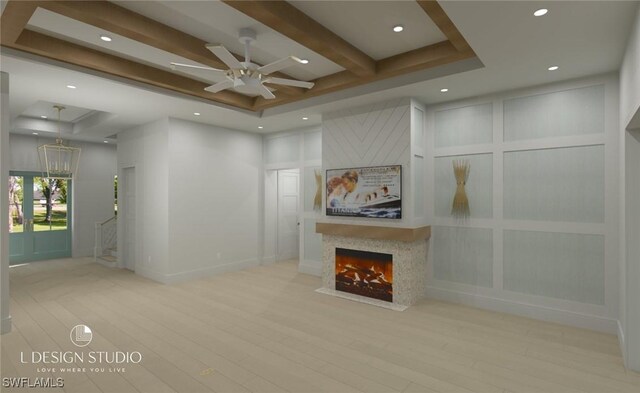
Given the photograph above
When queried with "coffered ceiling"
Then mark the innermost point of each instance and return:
(348, 44)
(515, 48)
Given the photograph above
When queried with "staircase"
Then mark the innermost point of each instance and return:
(105, 250)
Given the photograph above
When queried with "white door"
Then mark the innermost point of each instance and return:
(129, 213)
(288, 222)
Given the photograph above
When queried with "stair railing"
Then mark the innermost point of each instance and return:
(106, 237)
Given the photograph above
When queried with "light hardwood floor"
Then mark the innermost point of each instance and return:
(266, 330)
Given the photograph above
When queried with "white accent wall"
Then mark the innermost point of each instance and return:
(302, 150)
(92, 198)
(542, 239)
(198, 196)
(630, 195)
(385, 133)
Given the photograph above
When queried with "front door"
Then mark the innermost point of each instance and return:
(39, 218)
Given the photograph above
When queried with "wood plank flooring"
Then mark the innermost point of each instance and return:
(265, 330)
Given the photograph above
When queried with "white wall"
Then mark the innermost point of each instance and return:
(630, 194)
(214, 198)
(375, 135)
(302, 150)
(147, 149)
(543, 236)
(5, 318)
(92, 190)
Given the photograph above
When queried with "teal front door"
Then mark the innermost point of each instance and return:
(39, 218)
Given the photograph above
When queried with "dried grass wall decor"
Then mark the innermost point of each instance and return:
(460, 206)
(317, 200)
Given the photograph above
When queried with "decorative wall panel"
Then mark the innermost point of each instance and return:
(479, 187)
(564, 184)
(377, 134)
(463, 255)
(469, 125)
(559, 265)
(562, 113)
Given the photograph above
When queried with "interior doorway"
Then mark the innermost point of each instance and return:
(288, 233)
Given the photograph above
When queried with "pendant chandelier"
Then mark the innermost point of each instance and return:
(57, 160)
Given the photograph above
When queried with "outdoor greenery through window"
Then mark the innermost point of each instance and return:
(16, 196)
(49, 204)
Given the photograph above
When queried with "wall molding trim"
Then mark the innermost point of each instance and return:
(527, 310)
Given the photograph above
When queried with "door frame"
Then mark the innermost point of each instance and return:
(69, 243)
(271, 213)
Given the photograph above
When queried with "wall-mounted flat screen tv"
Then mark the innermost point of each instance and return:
(373, 192)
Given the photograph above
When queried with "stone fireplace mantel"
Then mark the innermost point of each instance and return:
(408, 246)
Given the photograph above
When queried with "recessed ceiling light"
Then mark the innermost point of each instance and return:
(553, 68)
(260, 127)
(71, 87)
(43, 116)
(105, 38)
(106, 141)
(304, 61)
(34, 133)
(196, 113)
(305, 118)
(398, 28)
(540, 12)
(444, 90)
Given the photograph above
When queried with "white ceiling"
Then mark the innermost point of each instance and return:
(217, 23)
(368, 25)
(583, 38)
(70, 114)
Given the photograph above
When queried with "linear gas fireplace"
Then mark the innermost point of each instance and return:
(365, 273)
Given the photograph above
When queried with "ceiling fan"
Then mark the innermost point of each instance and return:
(247, 77)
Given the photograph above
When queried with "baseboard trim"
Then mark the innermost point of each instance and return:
(210, 271)
(564, 317)
(151, 274)
(310, 267)
(623, 348)
(5, 325)
(82, 252)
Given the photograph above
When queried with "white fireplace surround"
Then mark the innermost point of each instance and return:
(409, 267)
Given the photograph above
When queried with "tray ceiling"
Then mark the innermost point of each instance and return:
(353, 48)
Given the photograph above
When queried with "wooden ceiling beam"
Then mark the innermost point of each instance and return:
(132, 25)
(57, 49)
(15, 17)
(446, 26)
(422, 58)
(293, 23)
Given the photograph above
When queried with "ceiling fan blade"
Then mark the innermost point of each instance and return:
(225, 56)
(279, 65)
(266, 93)
(289, 82)
(174, 65)
(220, 86)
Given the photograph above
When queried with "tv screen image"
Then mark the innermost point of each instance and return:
(374, 192)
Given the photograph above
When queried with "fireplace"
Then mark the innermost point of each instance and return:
(365, 273)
